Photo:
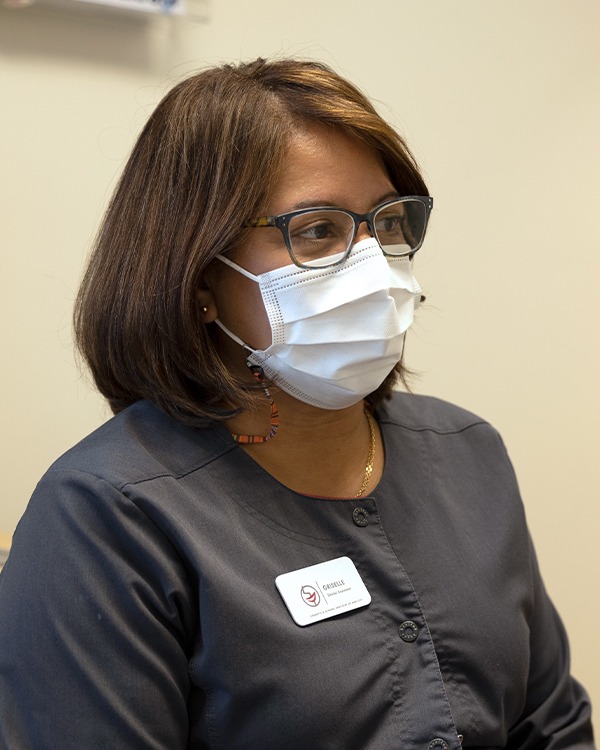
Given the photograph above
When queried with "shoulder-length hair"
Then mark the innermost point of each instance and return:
(203, 166)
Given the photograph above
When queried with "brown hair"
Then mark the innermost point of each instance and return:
(201, 167)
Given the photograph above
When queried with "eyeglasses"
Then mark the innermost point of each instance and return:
(322, 237)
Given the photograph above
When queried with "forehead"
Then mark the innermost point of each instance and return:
(324, 165)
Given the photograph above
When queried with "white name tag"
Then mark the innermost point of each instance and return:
(321, 591)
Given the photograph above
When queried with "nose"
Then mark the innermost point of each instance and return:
(364, 231)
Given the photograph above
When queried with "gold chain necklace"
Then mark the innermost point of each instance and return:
(370, 457)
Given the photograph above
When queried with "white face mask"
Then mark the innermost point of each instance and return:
(337, 332)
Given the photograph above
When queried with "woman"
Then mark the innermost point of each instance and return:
(265, 548)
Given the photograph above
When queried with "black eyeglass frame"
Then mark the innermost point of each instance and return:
(282, 222)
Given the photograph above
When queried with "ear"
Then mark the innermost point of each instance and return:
(207, 304)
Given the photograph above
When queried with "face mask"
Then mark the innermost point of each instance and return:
(337, 332)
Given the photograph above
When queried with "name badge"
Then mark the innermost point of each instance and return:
(321, 591)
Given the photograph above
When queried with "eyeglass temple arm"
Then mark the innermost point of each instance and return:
(263, 221)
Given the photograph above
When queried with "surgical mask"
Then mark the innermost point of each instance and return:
(337, 332)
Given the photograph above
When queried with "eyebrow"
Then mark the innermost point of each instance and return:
(318, 204)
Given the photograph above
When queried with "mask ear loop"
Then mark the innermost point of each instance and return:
(259, 376)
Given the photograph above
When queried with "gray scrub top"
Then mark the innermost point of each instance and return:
(138, 606)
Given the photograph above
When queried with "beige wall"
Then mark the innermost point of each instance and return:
(499, 99)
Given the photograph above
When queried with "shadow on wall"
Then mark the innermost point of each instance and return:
(5, 540)
(90, 34)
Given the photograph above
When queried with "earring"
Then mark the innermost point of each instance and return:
(259, 376)
(204, 309)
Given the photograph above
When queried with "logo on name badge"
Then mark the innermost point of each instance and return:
(310, 596)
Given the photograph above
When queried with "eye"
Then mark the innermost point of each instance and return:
(391, 223)
(320, 233)
(317, 230)
(320, 227)
(400, 226)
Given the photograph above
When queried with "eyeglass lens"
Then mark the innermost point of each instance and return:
(322, 237)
